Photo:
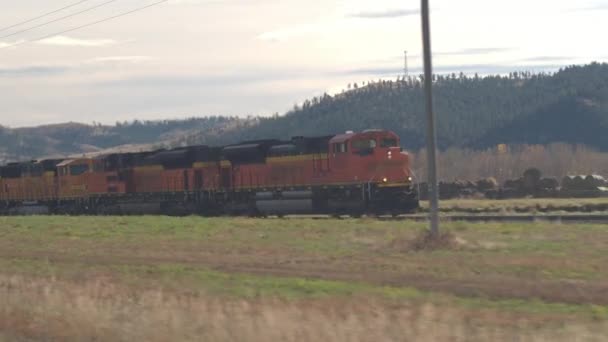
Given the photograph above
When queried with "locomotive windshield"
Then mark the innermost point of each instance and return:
(364, 147)
(388, 142)
(365, 144)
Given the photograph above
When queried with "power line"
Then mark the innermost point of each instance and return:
(43, 15)
(85, 25)
(59, 19)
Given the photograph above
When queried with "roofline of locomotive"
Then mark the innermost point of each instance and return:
(338, 138)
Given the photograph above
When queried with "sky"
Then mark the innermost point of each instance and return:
(185, 58)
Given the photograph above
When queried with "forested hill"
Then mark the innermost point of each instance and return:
(569, 106)
(522, 108)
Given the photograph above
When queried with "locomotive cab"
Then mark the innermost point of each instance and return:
(374, 162)
(372, 156)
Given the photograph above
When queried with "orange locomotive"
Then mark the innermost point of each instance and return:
(351, 173)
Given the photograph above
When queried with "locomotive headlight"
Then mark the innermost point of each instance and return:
(385, 179)
(409, 179)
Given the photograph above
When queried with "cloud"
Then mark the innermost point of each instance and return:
(547, 58)
(296, 31)
(195, 2)
(443, 69)
(220, 2)
(68, 41)
(187, 2)
(120, 60)
(4, 45)
(471, 51)
(95, 64)
(598, 7)
(390, 13)
(332, 26)
(34, 70)
(211, 79)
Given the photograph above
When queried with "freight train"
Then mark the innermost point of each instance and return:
(345, 174)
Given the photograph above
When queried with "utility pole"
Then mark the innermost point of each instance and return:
(431, 145)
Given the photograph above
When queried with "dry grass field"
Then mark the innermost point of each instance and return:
(220, 279)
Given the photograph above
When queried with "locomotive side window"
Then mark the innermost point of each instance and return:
(341, 147)
(98, 166)
(76, 170)
(389, 142)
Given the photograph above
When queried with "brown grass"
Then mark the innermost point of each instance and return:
(522, 205)
(52, 310)
(547, 261)
(161, 279)
(428, 241)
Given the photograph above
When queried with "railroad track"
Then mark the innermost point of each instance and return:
(556, 218)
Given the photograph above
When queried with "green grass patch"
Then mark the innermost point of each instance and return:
(175, 277)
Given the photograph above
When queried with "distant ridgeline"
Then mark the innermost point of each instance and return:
(75, 138)
(569, 106)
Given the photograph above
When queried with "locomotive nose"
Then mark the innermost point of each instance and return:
(395, 153)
